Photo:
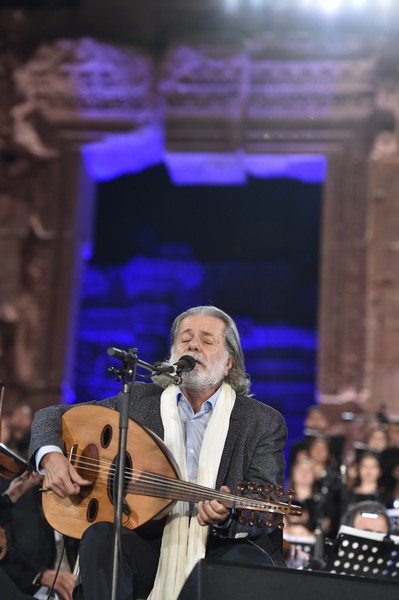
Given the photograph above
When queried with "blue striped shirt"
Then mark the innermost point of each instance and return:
(194, 426)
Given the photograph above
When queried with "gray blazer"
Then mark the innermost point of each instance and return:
(253, 450)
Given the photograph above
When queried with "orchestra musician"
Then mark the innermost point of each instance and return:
(218, 434)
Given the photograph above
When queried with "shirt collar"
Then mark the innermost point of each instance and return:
(211, 401)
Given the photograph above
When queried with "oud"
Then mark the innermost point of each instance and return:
(152, 482)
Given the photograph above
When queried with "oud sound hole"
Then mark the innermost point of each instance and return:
(92, 510)
(106, 436)
(113, 477)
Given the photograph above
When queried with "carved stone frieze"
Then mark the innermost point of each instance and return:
(203, 80)
(316, 73)
(306, 47)
(81, 79)
(203, 64)
(288, 102)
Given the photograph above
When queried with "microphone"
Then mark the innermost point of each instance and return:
(185, 364)
(121, 354)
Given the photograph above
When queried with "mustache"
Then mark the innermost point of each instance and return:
(195, 355)
(198, 358)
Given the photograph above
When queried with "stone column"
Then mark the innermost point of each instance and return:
(382, 360)
(70, 93)
(343, 278)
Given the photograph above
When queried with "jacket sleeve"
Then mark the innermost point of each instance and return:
(47, 425)
(263, 463)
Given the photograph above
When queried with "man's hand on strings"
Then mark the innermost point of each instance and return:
(211, 512)
(60, 475)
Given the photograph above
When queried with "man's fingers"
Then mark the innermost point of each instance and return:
(76, 478)
(61, 476)
(211, 512)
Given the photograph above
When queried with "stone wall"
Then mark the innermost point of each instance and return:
(272, 95)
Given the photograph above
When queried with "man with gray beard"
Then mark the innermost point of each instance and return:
(219, 436)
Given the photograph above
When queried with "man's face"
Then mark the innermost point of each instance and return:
(202, 337)
(375, 523)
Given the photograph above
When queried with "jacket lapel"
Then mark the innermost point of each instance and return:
(231, 439)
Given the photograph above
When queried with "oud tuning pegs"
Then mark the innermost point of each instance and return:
(251, 487)
(269, 521)
(241, 486)
(268, 491)
(280, 524)
(279, 491)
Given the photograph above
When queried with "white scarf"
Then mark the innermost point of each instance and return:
(184, 539)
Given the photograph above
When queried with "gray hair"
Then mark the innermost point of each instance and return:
(236, 377)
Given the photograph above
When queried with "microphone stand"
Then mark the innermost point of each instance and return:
(126, 374)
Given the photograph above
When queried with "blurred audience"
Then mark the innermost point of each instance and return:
(302, 480)
(315, 422)
(366, 485)
(377, 438)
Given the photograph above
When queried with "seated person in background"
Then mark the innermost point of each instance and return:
(315, 422)
(320, 452)
(390, 476)
(368, 515)
(377, 438)
(20, 421)
(366, 485)
(328, 481)
(390, 463)
(17, 488)
(30, 560)
(306, 494)
(376, 441)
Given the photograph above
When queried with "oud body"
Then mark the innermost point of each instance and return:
(151, 479)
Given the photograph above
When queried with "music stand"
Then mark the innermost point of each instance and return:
(302, 542)
(393, 514)
(365, 554)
